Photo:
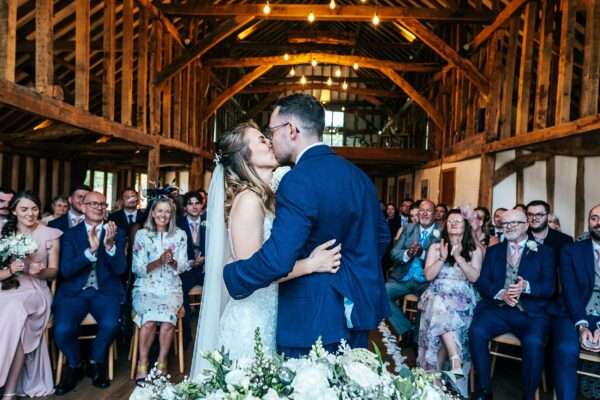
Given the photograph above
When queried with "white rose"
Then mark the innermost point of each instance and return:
(532, 245)
(361, 375)
(271, 395)
(141, 393)
(312, 378)
(237, 377)
(436, 233)
(168, 393)
(431, 394)
(316, 394)
(216, 356)
(218, 395)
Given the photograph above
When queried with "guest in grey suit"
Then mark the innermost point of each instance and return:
(408, 255)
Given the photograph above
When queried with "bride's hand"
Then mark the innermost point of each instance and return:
(325, 259)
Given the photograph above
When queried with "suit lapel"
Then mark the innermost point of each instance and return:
(589, 261)
(501, 259)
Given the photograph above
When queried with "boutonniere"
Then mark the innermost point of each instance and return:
(436, 233)
(532, 245)
(203, 224)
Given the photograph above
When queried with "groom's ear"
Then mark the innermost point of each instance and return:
(294, 132)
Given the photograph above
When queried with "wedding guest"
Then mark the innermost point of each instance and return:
(6, 195)
(92, 260)
(441, 211)
(404, 211)
(75, 214)
(413, 218)
(130, 214)
(553, 222)
(538, 212)
(480, 224)
(194, 226)
(392, 218)
(517, 281)
(521, 207)
(25, 368)
(409, 255)
(448, 303)
(579, 325)
(59, 207)
(159, 257)
(497, 228)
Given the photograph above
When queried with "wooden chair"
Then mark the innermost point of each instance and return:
(591, 357)
(195, 294)
(112, 351)
(409, 306)
(177, 341)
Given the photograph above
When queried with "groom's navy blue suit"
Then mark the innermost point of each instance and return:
(324, 197)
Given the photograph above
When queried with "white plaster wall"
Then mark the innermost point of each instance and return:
(433, 176)
(592, 186)
(534, 182)
(467, 181)
(505, 193)
(564, 192)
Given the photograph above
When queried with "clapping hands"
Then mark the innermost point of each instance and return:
(110, 234)
(414, 250)
(588, 340)
(166, 258)
(512, 294)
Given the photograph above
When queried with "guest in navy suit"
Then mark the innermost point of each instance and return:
(516, 282)
(75, 214)
(323, 197)
(538, 213)
(579, 324)
(194, 226)
(92, 259)
(130, 214)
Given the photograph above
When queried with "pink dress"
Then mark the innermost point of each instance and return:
(24, 314)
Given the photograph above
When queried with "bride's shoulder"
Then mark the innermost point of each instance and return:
(246, 199)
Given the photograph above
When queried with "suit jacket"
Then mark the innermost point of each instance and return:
(323, 197)
(61, 223)
(577, 275)
(556, 240)
(75, 268)
(536, 267)
(182, 223)
(411, 233)
(122, 222)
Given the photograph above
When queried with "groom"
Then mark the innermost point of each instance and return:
(323, 197)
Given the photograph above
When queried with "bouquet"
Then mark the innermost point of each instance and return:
(15, 247)
(347, 375)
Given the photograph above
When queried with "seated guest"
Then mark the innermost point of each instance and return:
(59, 207)
(6, 195)
(75, 214)
(394, 224)
(447, 305)
(413, 218)
(92, 260)
(496, 229)
(194, 226)
(554, 222)
(130, 213)
(520, 207)
(441, 211)
(408, 255)
(159, 256)
(25, 302)
(538, 213)
(405, 207)
(516, 282)
(480, 224)
(580, 298)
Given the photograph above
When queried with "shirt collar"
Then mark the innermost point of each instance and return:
(308, 148)
(128, 213)
(428, 230)
(88, 227)
(191, 221)
(595, 245)
(74, 216)
(522, 243)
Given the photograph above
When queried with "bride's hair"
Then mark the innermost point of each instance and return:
(234, 154)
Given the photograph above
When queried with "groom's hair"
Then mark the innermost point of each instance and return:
(307, 109)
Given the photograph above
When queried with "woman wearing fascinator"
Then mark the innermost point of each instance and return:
(241, 206)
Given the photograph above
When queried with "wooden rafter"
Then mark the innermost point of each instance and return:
(52, 132)
(8, 38)
(325, 58)
(417, 97)
(194, 53)
(321, 86)
(323, 12)
(235, 88)
(449, 54)
(157, 12)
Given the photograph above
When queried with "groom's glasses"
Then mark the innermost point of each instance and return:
(268, 131)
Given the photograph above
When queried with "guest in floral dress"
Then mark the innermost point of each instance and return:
(159, 256)
(448, 303)
(24, 311)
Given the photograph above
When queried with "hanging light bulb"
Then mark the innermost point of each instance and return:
(355, 66)
(338, 72)
(303, 80)
(267, 8)
(332, 4)
(329, 81)
(311, 17)
(286, 56)
(375, 19)
(345, 85)
(293, 72)
(343, 108)
(313, 62)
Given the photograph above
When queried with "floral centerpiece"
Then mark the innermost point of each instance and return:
(15, 247)
(347, 375)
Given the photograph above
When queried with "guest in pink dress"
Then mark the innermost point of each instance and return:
(24, 311)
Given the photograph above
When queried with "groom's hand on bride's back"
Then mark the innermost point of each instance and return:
(326, 257)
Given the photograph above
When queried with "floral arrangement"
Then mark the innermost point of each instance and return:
(15, 247)
(347, 375)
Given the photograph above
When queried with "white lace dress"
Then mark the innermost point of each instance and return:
(241, 317)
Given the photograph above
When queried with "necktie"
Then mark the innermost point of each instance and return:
(130, 218)
(195, 232)
(515, 251)
(424, 235)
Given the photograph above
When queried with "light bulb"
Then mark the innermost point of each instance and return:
(332, 4)
(293, 72)
(345, 85)
(286, 56)
(329, 81)
(311, 17)
(355, 66)
(343, 108)
(313, 62)
(338, 72)
(376, 19)
(303, 80)
(267, 9)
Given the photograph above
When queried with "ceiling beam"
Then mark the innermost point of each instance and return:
(322, 86)
(449, 54)
(157, 12)
(208, 42)
(323, 58)
(417, 97)
(322, 12)
(52, 132)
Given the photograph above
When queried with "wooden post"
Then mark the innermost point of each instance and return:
(67, 177)
(14, 175)
(127, 64)
(142, 72)
(486, 180)
(8, 39)
(108, 79)
(42, 183)
(520, 179)
(44, 50)
(580, 197)
(29, 171)
(55, 179)
(525, 69)
(550, 174)
(82, 54)
(543, 69)
(509, 84)
(591, 59)
(166, 91)
(155, 94)
(197, 173)
(565, 63)
(495, 68)
(185, 103)
(154, 164)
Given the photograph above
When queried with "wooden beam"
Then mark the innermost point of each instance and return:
(502, 17)
(520, 162)
(43, 181)
(208, 42)
(508, 85)
(591, 59)
(449, 54)
(153, 170)
(127, 64)
(157, 12)
(540, 118)
(550, 180)
(580, 197)
(142, 72)
(417, 97)
(525, 69)
(44, 33)
(177, 145)
(234, 89)
(82, 54)
(14, 175)
(8, 39)
(108, 78)
(52, 132)
(321, 86)
(298, 12)
(486, 185)
(323, 58)
(197, 173)
(55, 191)
(565, 62)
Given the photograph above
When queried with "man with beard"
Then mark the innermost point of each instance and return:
(404, 211)
(130, 214)
(538, 212)
(580, 327)
(75, 214)
(6, 196)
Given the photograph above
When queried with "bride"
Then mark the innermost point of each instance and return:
(241, 208)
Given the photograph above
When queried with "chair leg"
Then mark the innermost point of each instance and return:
(544, 383)
(537, 394)
(59, 366)
(493, 366)
(111, 361)
(180, 340)
(175, 347)
(134, 352)
(472, 380)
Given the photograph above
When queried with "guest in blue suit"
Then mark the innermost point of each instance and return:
(580, 302)
(194, 226)
(92, 259)
(323, 197)
(75, 214)
(538, 212)
(516, 282)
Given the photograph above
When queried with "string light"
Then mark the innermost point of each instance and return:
(311, 17)
(343, 108)
(313, 62)
(286, 56)
(332, 4)
(267, 8)
(303, 80)
(329, 81)
(345, 85)
(375, 19)
(338, 72)
(293, 72)
(355, 66)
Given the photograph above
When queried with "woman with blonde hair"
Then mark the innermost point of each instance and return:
(159, 256)
(240, 215)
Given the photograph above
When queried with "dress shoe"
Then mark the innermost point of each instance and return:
(483, 395)
(98, 375)
(70, 379)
